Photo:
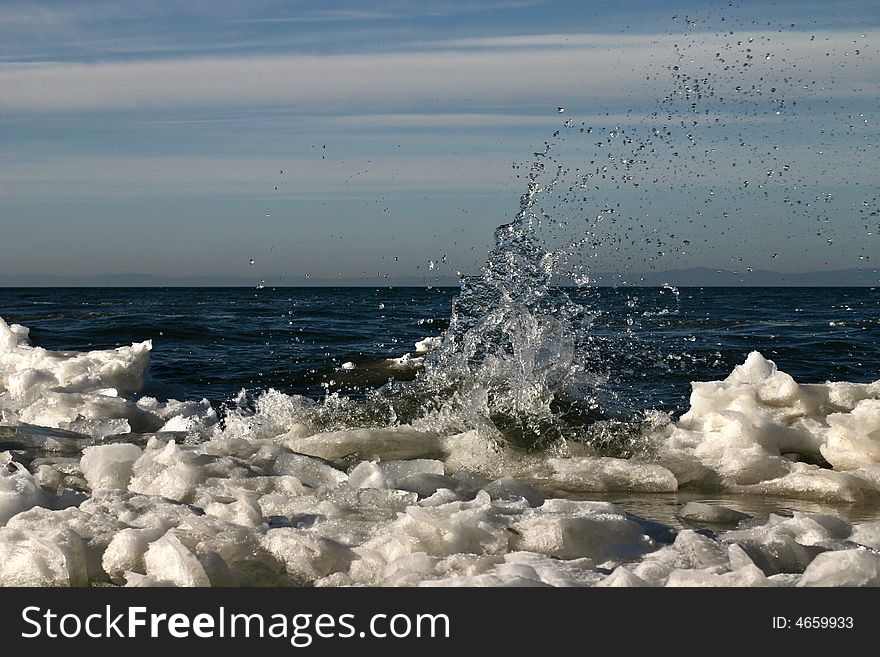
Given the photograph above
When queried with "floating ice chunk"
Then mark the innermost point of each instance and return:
(473, 451)
(168, 559)
(738, 557)
(407, 361)
(843, 568)
(8, 338)
(391, 443)
(244, 511)
(311, 471)
(49, 557)
(440, 496)
(49, 478)
(28, 374)
(109, 466)
(784, 579)
(788, 545)
(746, 576)
(758, 371)
(581, 507)
(12, 336)
(740, 429)
(59, 441)
(166, 470)
(714, 513)
(391, 474)
(867, 534)
(307, 556)
(695, 551)
(229, 551)
(180, 423)
(854, 437)
(575, 572)
(136, 580)
(19, 490)
(475, 527)
(812, 482)
(98, 428)
(429, 344)
(622, 577)
(426, 485)
(578, 529)
(508, 488)
(183, 416)
(609, 474)
(653, 571)
(82, 391)
(137, 510)
(96, 529)
(487, 580)
(820, 528)
(126, 550)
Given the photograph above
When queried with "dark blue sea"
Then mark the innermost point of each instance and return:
(214, 342)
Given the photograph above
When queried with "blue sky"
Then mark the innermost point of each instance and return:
(152, 137)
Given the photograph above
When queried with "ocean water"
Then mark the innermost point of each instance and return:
(214, 342)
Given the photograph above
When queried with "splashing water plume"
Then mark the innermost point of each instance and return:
(526, 357)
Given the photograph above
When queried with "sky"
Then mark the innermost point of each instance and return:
(381, 140)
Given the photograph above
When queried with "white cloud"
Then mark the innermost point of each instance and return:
(115, 176)
(501, 73)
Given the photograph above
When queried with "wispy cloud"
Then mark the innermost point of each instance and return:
(385, 10)
(610, 68)
(120, 176)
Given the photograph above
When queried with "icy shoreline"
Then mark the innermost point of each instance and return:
(98, 485)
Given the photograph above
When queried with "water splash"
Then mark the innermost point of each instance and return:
(514, 341)
(523, 357)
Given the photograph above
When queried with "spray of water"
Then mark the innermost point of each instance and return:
(526, 356)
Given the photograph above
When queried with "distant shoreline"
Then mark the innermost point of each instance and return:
(694, 277)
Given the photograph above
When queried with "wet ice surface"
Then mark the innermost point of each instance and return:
(764, 482)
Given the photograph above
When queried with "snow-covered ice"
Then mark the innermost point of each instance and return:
(101, 485)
